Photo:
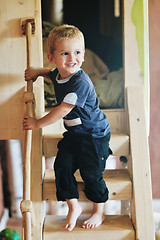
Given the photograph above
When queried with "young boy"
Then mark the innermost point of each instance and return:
(85, 144)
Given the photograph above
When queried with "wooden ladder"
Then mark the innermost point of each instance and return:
(120, 188)
(128, 138)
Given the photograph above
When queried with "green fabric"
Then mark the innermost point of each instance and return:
(139, 17)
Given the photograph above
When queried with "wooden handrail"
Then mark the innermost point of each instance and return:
(29, 112)
(26, 204)
(29, 53)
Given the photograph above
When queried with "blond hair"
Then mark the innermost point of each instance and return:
(62, 32)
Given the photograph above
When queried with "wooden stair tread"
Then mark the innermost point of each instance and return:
(114, 227)
(119, 144)
(117, 181)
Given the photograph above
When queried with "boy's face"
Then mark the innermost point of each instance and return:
(68, 56)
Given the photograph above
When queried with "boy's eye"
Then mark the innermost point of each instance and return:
(77, 52)
(64, 53)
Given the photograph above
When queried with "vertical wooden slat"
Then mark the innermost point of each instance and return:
(142, 213)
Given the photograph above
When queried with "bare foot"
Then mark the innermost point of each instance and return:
(94, 221)
(97, 217)
(73, 214)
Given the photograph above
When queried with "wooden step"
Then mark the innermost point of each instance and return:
(113, 228)
(119, 144)
(117, 180)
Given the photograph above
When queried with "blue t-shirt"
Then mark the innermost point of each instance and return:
(86, 117)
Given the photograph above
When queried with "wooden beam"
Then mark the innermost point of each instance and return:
(142, 189)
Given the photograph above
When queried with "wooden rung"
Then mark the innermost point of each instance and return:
(119, 144)
(117, 180)
(113, 228)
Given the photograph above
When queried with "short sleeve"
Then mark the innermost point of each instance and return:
(70, 98)
(77, 93)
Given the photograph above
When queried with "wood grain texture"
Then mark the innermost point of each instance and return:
(113, 228)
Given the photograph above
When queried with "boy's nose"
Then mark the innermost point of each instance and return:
(71, 57)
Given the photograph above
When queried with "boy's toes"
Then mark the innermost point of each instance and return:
(93, 226)
(68, 227)
(86, 225)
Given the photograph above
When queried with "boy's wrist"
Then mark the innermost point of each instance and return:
(40, 72)
(44, 72)
(38, 125)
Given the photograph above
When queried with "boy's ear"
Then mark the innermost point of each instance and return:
(50, 58)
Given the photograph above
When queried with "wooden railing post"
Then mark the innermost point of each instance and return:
(26, 204)
(142, 212)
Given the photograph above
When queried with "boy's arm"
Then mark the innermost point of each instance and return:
(33, 73)
(56, 114)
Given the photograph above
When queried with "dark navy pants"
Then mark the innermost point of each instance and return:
(87, 154)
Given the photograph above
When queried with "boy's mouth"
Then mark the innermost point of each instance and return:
(71, 64)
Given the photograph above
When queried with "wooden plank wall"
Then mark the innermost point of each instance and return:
(13, 64)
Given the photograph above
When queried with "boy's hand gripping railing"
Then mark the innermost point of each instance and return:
(28, 27)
